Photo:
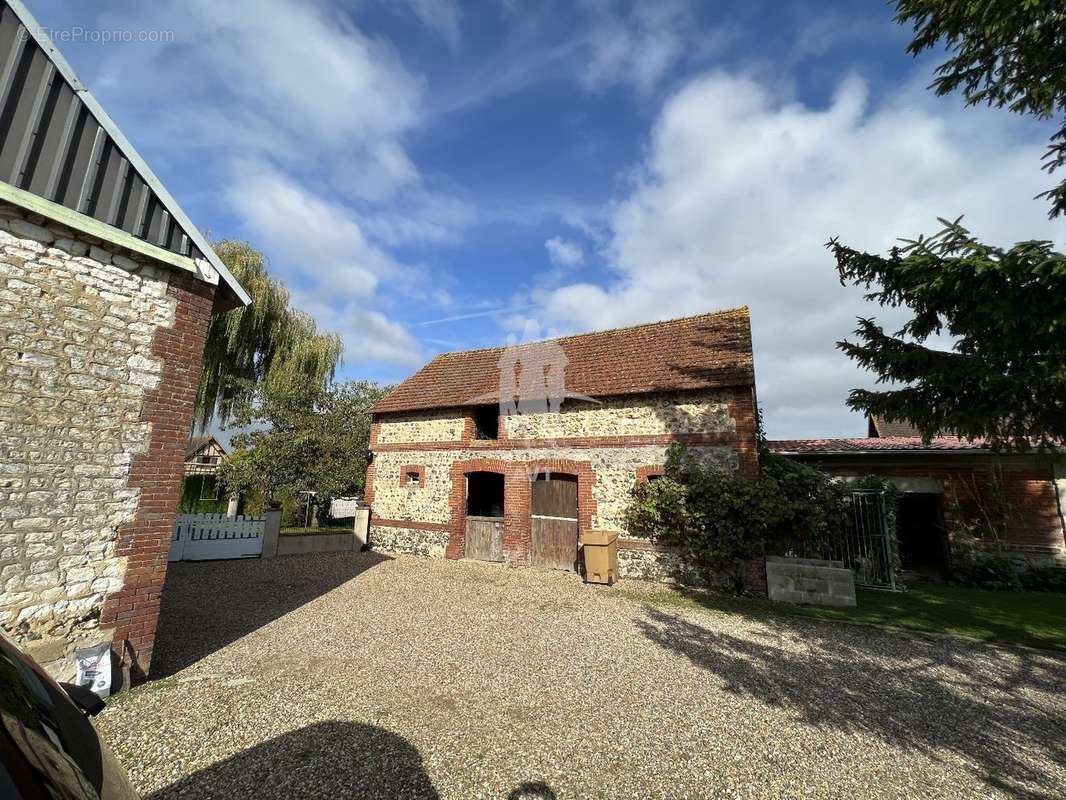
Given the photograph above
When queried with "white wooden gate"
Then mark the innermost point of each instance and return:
(203, 537)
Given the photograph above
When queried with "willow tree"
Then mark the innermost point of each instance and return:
(266, 341)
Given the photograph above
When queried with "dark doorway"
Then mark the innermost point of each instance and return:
(484, 516)
(484, 494)
(487, 422)
(554, 526)
(923, 546)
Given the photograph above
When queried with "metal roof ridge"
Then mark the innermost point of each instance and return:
(40, 36)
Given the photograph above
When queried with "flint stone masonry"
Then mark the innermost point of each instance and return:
(447, 426)
(660, 566)
(647, 415)
(615, 469)
(809, 581)
(79, 357)
(408, 540)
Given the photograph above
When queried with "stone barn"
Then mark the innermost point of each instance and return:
(106, 293)
(509, 454)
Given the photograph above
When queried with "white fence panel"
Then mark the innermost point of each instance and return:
(204, 537)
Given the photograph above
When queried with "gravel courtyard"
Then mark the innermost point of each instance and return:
(351, 676)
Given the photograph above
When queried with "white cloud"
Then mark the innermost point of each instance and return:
(637, 43)
(319, 241)
(302, 117)
(564, 252)
(442, 16)
(291, 78)
(369, 336)
(741, 189)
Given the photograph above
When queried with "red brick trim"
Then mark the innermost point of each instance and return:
(742, 410)
(368, 491)
(517, 499)
(133, 611)
(643, 473)
(413, 469)
(714, 439)
(413, 524)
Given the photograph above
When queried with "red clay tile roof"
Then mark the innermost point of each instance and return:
(881, 444)
(702, 352)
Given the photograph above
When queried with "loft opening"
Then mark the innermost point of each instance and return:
(484, 494)
(487, 422)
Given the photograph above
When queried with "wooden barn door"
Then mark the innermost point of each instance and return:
(554, 526)
(484, 516)
(484, 538)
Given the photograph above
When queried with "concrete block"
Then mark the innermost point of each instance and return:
(809, 581)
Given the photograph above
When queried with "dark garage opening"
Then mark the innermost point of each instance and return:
(484, 494)
(923, 546)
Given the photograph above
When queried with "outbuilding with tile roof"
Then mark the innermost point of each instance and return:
(511, 454)
(946, 482)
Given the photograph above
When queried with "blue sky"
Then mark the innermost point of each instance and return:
(428, 175)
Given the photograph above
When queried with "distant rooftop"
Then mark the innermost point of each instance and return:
(883, 429)
(879, 444)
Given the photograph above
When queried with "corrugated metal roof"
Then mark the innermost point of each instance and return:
(58, 143)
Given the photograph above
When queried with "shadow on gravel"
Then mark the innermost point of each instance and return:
(206, 605)
(329, 759)
(925, 694)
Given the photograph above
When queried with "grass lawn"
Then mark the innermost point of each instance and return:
(1036, 619)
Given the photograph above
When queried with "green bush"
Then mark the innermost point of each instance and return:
(976, 563)
(1043, 579)
(986, 571)
(720, 519)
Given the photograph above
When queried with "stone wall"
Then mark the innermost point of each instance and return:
(390, 539)
(99, 359)
(705, 412)
(637, 561)
(431, 426)
(708, 412)
(608, 446)
(615, 470)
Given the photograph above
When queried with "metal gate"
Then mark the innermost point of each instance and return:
(868, 547)
(553, 522)
(205, 537)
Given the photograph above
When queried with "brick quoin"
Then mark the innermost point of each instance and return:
(132, 612)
